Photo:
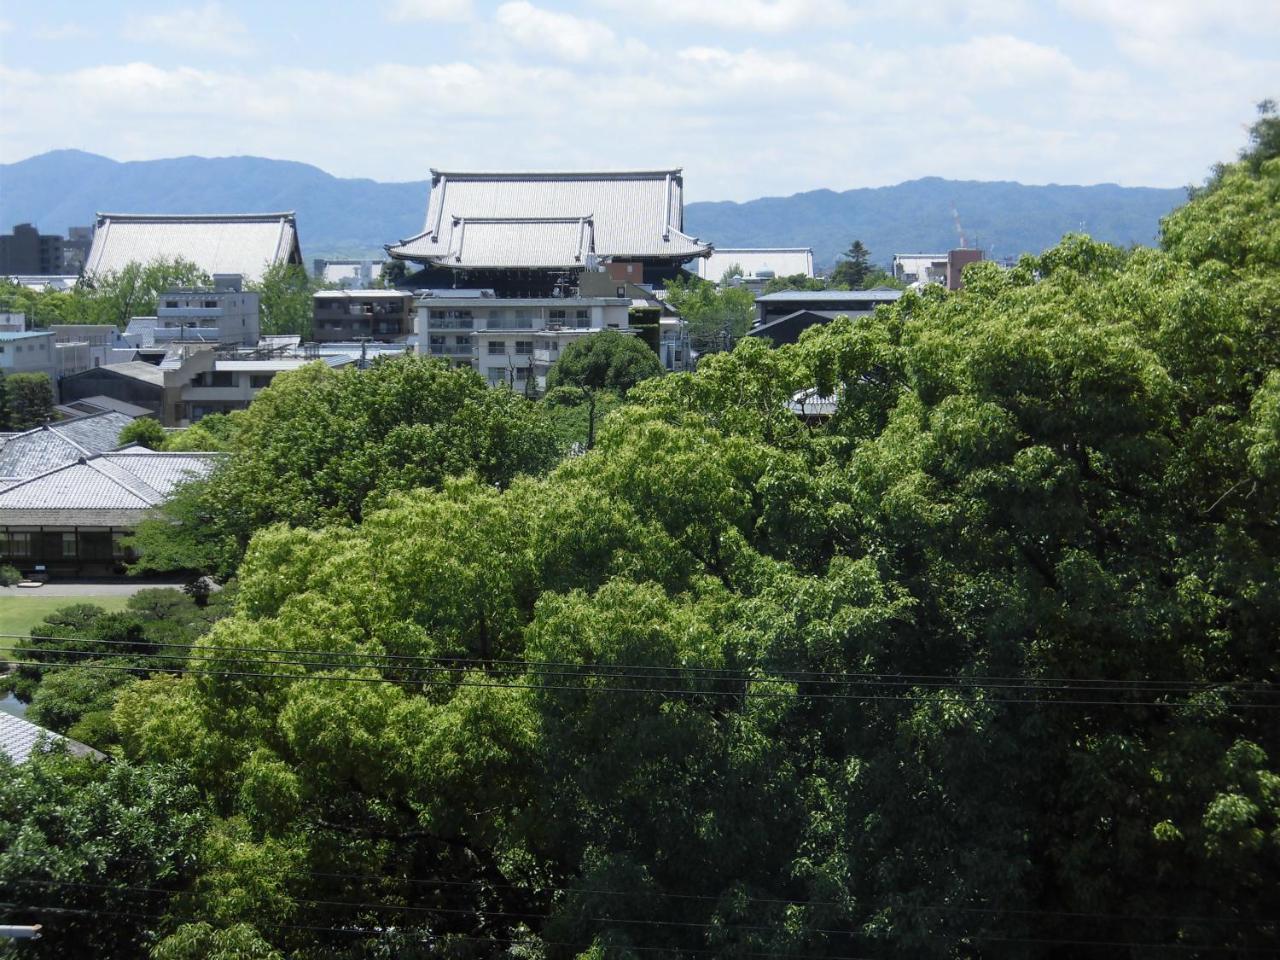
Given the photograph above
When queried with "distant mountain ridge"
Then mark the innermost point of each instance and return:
(351, 217)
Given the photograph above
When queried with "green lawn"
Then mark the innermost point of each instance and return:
(18, 614)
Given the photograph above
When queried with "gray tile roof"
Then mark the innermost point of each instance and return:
(111, 489)
(499, 242)
(831, 298)
(243, 243)
(134, 369)
(783, 261)
(40, 450)
(634, 214)
(20, 738)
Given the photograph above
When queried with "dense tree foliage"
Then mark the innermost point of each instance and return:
(984, 665)
(28, 400)
(145, 432)
(112, 297)
(605, 364)
(319, 443)
(285, 297)
(717, 317)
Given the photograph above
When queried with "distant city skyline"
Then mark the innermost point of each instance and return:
(753, 97)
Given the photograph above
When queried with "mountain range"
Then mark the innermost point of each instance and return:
(340, 217)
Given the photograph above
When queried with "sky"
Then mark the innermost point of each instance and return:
(751, 97)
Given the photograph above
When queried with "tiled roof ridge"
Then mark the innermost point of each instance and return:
(201, 217)
(147, 493)
(653, 172)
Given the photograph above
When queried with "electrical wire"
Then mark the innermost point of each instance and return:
(641, 690)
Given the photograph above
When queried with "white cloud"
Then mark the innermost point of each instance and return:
(762, 16)
(209, 28)
(403, 11)
(1174, 33)
(743, 121)
(61, 32)
(564, 36)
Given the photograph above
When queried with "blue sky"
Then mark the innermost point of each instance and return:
(752, 97)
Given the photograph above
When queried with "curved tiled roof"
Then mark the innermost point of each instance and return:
(110, 489)
(634, 214)
(243, 243)
(37, 451)
(20, 738)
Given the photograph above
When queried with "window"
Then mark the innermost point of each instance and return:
(210, 304)
(497, 347)
(117, 545)
(259, 380)
(171, 304)
(556, 315)
(20, 544)
(68, 545)
(522, 373)
(524, 348)
(582, 314)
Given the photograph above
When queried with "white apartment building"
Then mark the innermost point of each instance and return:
(225, 314)
(511, 341)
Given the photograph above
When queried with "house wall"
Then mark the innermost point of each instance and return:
(512, 343)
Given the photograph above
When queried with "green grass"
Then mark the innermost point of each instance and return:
(18, 614)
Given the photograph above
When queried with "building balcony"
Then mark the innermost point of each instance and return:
(450, 350)
(546, 356)
(432, 325)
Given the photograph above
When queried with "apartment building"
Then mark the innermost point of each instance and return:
(352, 315)
(511, 341)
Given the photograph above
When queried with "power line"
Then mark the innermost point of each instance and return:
(641, 690)
(707, 898)
(810, 676)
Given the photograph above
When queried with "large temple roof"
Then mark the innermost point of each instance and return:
(243, 243)
(551, 220)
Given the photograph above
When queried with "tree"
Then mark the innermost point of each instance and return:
(608, 361)
(134, 290)
(286, 294)
(30, 399)
(96, 853)
(144, 431)
(854, 267)
(716, 318)
(319, 443)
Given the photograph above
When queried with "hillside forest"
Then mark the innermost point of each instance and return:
(984, 665)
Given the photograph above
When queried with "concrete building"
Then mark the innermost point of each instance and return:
(349, 315)
(28, 251)
(782, 317)
(348, 274)
(242, 243)
(193, 381)
(30, 351)
(225, 314)
(104, 342)
(511, 341)
(912, 268)
(759, 265)
(944, 268)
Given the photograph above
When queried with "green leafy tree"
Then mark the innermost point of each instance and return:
(29, 397)
(318, 443)
(144, 431)
(134, 290)
(608, 361)
(716, 317)
(854, 267)
(286, 294)
(96, 853)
